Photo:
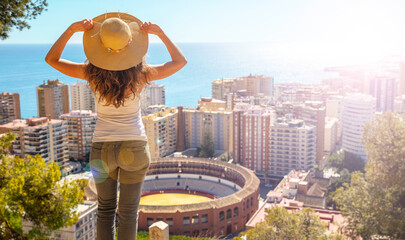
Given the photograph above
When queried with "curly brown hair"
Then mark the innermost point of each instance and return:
(112, 86)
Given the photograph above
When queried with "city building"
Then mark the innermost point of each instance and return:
(333, 109)
(85, 227)
(52, 99)
(313, 113)
(384, 90)
(153, 94)
(399, 104)
(4, 112)
(161, 130)
(253, 84)
(331, 137)
(13, 102)
(43, 136)
(251, 131)
(358, 109)
(80, 129)
(401, 88)
(292, 146)
(296, 191)
(82, 97)
(201, 124)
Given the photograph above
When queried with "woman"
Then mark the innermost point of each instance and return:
(115, 45)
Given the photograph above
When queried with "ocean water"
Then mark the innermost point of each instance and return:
(22, 68)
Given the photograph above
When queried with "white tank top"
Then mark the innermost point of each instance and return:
(119, 124)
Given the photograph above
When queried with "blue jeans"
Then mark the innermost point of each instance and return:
(125, 162)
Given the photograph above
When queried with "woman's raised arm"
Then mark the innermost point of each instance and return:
(178, 59)
(66, 67)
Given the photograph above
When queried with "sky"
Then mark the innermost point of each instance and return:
(360, 26)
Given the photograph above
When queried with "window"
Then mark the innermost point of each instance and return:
(204, 218)
(186, 221)
(196, 232)
(169, 221)
(149, 221)
(247, 203)
(236, 212)
(159, 219)
(195, 219)
(228, 213)
(221, 216)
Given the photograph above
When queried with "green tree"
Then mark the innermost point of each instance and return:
(207, 146)
(15, 13)
(374, 201)
(282, 224)
(30, 191)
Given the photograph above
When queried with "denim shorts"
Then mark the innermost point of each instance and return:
(124, 161)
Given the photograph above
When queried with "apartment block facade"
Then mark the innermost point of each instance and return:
(161, 130)
(52, 99)
(13, 105)
(80, 129)
(358, 109)
(82, 97)
(3, 112)
(153, 94)
(43, 136)
(214, 123)
(292, 146)
(251, 130)
(252, 84)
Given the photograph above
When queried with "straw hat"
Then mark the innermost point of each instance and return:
(115, 42)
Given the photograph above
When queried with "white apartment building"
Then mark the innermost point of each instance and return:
(161, 130)
(153, 94)
(80, 129)
(292, 146)
(82, 97)
(330, 134)
(84, 229)
(358, 109)
(214, 122)
(43, 136)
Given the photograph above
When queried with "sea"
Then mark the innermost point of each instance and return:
(23, 68)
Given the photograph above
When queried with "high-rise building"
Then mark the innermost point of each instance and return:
(292, 146)
(401, 88)
(251, 130)
(214, 124)
(43, 136)
(334, 106)
(330, 134)
(13, 102)
(252, 84)
(52, 99)
(80, 129)
(358, 109)
(82, 97)
(153, 94)
(384, 90)
(161, 130)
(399, 104)
(3, 112)
(313, 113)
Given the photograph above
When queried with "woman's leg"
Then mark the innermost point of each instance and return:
(128, 210)
(102, 168)
(107, 206)
(133, 161)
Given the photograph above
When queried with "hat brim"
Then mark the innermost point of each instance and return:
(98, 55)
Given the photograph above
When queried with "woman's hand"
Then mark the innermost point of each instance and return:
(152, 28)
(81, 26)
